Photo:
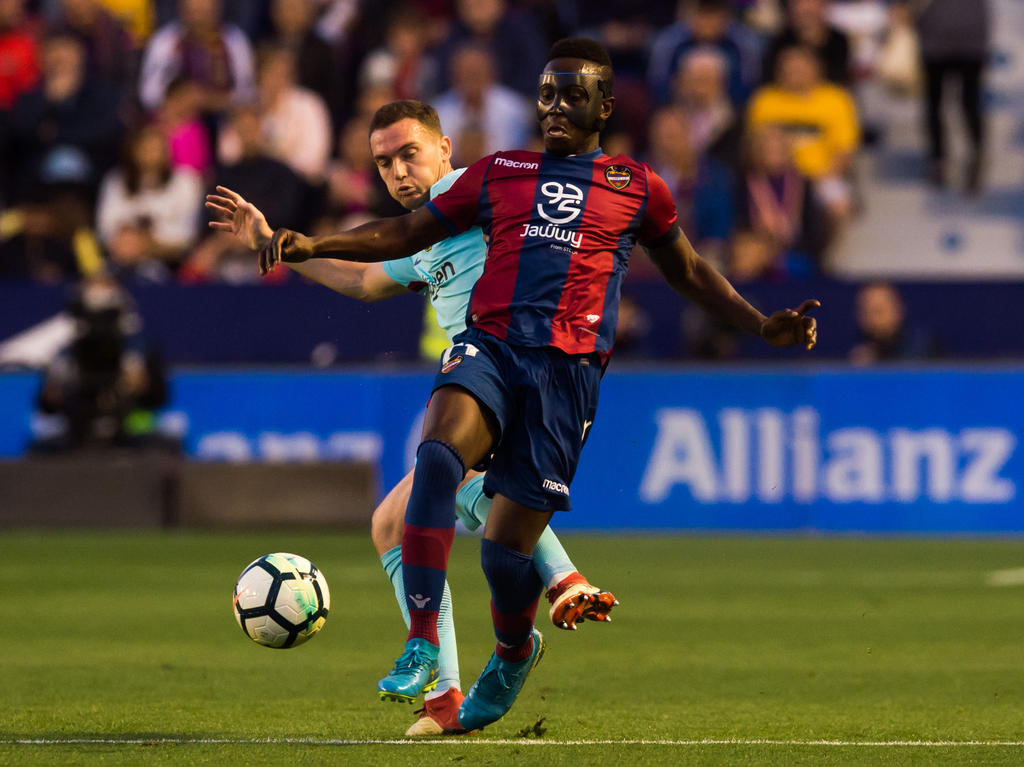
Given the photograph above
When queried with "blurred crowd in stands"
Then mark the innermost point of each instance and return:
(116, 116)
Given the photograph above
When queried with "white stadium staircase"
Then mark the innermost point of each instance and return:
(910, 230)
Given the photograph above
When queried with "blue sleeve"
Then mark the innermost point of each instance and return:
(402, 271)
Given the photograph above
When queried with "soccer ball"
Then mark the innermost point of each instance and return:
(281, 600)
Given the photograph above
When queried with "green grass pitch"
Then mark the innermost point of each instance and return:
(121, 649)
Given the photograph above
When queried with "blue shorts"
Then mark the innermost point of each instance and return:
(543, 401)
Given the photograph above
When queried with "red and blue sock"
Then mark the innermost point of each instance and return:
(428, 534)
(515, 590)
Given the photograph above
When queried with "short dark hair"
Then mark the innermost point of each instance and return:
(403, 109)
(580, 48)
(588, 50)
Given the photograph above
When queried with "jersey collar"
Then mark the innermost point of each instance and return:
(585, 156)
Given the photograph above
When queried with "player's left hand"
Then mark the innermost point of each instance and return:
(789, 327)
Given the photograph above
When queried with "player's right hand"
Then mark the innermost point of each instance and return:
(790, 327)
(232, 213)
(286, 245)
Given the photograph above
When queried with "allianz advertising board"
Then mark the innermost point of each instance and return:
(899, 451)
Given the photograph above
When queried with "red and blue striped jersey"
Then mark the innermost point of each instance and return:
(559, 232)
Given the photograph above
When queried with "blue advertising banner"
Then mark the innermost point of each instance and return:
(300, 323)
(897, 451)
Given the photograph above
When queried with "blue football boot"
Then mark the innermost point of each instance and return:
(415, 672)
(493, 694)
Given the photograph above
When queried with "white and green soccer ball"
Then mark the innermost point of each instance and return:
(281, 600)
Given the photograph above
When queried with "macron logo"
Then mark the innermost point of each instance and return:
(555, 487)
(419, 600)
(516, 164)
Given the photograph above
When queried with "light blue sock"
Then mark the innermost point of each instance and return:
(549, 558)
(392, 561)
(471, 505)
(448, 658)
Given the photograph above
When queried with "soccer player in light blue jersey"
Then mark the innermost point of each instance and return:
(413, 157)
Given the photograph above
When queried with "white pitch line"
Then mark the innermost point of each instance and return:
(1013, 576)
(509, 742)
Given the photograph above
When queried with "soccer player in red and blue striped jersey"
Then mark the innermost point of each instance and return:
(561, 230)
(519, 386)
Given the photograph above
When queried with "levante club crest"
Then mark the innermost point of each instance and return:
(618, 176)
(451, 364)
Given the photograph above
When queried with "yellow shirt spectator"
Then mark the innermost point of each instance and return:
(819, 117)
(137, 16)
(821, 122)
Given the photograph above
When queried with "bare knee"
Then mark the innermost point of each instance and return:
(456, 417)
(388, 520)
(384, 532)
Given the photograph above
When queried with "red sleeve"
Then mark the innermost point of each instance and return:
(459, 206)
(660, 220)
(21, 59)
(30, 71)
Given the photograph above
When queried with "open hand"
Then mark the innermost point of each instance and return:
(285, 245)
(233, 213)
(788, 327)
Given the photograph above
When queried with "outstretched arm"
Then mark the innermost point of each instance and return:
(232, 213)
(693, 277)
(382, 240)
(364, 282)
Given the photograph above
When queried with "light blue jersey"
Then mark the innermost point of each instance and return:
(447, 271)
